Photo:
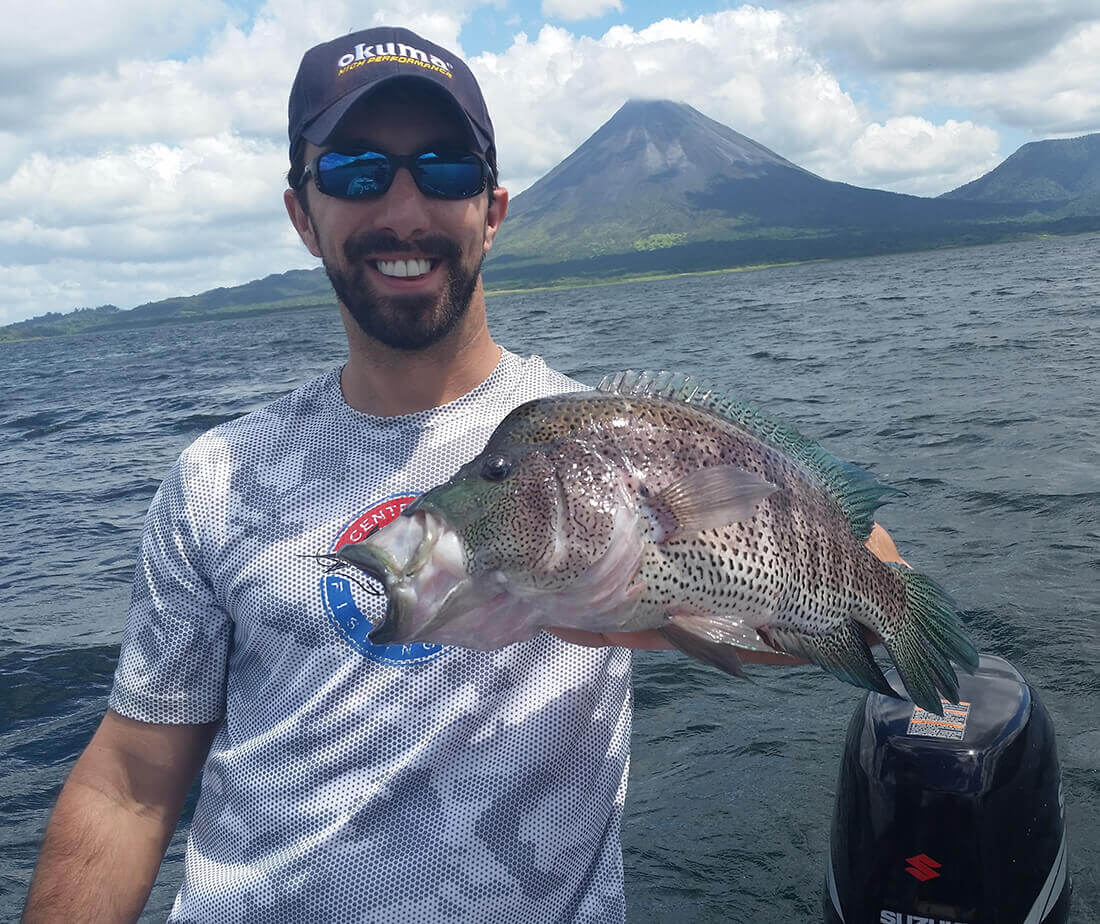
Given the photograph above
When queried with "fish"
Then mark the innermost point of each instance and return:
(654, 502)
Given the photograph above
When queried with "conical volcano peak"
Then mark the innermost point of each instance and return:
(656, 167)
(638, 107)
(697, 138)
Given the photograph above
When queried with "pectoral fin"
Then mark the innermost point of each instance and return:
(706, 499)
(724, 657)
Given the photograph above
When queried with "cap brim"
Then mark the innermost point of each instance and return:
(321, 129)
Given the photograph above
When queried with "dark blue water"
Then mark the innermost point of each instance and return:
(968, 378)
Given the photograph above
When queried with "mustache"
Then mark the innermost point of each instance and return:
(432, 245)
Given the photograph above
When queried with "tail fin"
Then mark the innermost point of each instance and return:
(929, 639)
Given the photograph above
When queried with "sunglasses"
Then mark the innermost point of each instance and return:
(367, 174)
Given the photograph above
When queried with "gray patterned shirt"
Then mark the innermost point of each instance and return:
(350, 781)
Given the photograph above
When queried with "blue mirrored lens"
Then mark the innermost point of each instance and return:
(449, 177)
(370, 173)
(352, 176)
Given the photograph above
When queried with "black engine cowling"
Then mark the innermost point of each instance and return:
(956, 819)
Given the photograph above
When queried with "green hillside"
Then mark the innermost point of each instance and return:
(1060, 177)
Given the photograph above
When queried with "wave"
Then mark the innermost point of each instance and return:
(37, 682)
(201, 422)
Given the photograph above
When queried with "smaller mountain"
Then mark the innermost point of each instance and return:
(279, 292)
(1054, 176)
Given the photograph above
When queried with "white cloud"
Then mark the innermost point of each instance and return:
(927, 159)
(65, 282)
(743, 67)
(572, 10)
(35, 238)
(1056, 94)
(142, 222)
(64, 37)
(952, 36)
(54, 55)
(138, 162)
(205, 181)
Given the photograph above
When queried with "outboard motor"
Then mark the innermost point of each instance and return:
(956, 819)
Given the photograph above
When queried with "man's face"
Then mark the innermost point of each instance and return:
(403, 264)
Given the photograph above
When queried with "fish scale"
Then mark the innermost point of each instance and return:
(656, 503)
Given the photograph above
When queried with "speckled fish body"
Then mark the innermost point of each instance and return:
(653, 503)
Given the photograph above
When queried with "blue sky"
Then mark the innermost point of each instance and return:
(142, 143)
(491, 29)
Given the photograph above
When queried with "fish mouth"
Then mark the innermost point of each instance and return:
(418, 560)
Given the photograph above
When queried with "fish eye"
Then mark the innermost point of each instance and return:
(496, 468)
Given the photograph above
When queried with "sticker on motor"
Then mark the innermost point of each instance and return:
(951, 725)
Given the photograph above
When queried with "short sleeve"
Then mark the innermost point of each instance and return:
(172, 666)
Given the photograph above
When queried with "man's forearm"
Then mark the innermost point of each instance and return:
(113, 820)
(99, 859)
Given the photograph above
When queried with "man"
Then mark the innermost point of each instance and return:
(344, 781)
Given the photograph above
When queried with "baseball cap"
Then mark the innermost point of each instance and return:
(335, 75)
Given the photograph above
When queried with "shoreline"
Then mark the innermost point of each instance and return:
(303, 302)
(655, 277)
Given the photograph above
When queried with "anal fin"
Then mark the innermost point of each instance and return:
(843, 652)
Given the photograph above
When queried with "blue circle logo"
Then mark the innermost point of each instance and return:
(340, 604)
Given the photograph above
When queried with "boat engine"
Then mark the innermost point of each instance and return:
(958, 819)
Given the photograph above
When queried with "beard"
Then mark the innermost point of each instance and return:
(403, 322)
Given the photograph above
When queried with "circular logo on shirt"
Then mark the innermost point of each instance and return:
(339, 593)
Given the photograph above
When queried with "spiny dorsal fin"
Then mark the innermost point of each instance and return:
(857, 492)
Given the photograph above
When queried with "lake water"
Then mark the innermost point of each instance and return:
(968, 378)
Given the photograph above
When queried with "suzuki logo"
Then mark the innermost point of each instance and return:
(923, 867)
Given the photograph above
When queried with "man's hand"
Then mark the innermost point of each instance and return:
(879, 543)
(882, 546)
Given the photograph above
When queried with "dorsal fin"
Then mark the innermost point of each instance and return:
(857, 492)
